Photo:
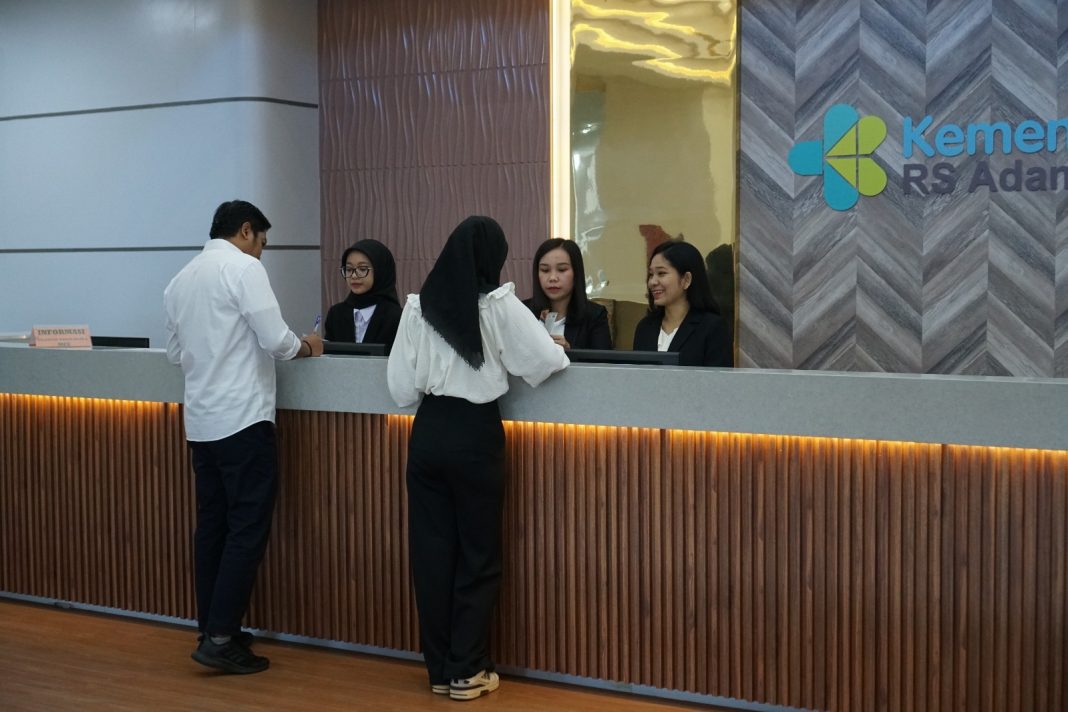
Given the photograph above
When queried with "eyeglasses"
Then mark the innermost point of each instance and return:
(350, 272)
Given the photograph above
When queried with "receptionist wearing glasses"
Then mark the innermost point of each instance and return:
(371, 312)
(683, 316)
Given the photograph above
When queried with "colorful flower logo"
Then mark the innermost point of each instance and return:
(847, 168)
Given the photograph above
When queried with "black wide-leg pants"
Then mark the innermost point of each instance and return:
(236, 480)
(455, 497)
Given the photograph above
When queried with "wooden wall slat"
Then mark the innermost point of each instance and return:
(1058, 659)
(838, 580)
(907, 551)
(987, 524)
(1043, 572)
(721, 452)
(816, 573)
(760, 572)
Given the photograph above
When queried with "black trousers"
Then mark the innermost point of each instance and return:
(237, 480)
(455, 496)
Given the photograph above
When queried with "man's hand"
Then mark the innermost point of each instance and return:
(314, 342)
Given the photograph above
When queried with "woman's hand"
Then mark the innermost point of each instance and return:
(562, 341)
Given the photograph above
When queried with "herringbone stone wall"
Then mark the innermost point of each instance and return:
(972, 282)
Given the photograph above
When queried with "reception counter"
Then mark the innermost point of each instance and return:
(962, 410)
(749, 538)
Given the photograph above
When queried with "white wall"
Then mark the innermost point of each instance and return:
(121, 199)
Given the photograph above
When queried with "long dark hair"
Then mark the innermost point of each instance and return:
(576, 306)
(684, 257)
(469, 265)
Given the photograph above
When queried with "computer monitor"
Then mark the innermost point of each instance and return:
(346, 348)
(120, 342)
(646, 358)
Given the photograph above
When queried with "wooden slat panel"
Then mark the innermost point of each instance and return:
(825, 574)
(92, 494)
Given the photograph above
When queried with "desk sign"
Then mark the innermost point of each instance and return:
(61, 337)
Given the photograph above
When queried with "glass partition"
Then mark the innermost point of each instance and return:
(653, 137)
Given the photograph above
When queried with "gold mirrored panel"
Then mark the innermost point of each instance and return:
(653, 138)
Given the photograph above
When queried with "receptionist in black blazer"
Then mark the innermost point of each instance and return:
(371, 312)
(560, 288)
(682, 313)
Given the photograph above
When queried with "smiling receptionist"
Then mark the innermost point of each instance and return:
(560, 289)
(371, 312)
(682, 313)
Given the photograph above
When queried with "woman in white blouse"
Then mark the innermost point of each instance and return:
(458, 340)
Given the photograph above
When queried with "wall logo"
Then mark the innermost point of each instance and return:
(843, 157)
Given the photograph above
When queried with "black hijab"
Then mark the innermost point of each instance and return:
(469, 264)
(384, 270)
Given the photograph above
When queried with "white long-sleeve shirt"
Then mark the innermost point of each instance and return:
(225, 329)
(513, 341)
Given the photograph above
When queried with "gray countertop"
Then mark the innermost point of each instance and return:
(1009, 412)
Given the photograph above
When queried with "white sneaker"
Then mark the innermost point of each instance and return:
(473, 687)
(440, 689)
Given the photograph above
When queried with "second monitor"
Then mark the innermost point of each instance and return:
(346, 348)
(647, 358)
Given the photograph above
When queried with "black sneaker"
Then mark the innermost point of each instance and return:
(229, 657)
(244, 638)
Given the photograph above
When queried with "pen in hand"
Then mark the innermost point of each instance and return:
(313, 340)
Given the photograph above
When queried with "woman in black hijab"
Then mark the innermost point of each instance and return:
(371, 312)
(458, 341)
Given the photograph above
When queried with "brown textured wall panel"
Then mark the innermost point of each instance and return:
(810, 572)
(430, 112)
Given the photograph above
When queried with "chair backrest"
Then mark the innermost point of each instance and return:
(623, 318)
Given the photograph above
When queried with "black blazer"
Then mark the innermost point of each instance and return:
(589, 332)
(382, 329)
(703, 339)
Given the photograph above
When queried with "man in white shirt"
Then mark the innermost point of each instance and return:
(225, 329)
